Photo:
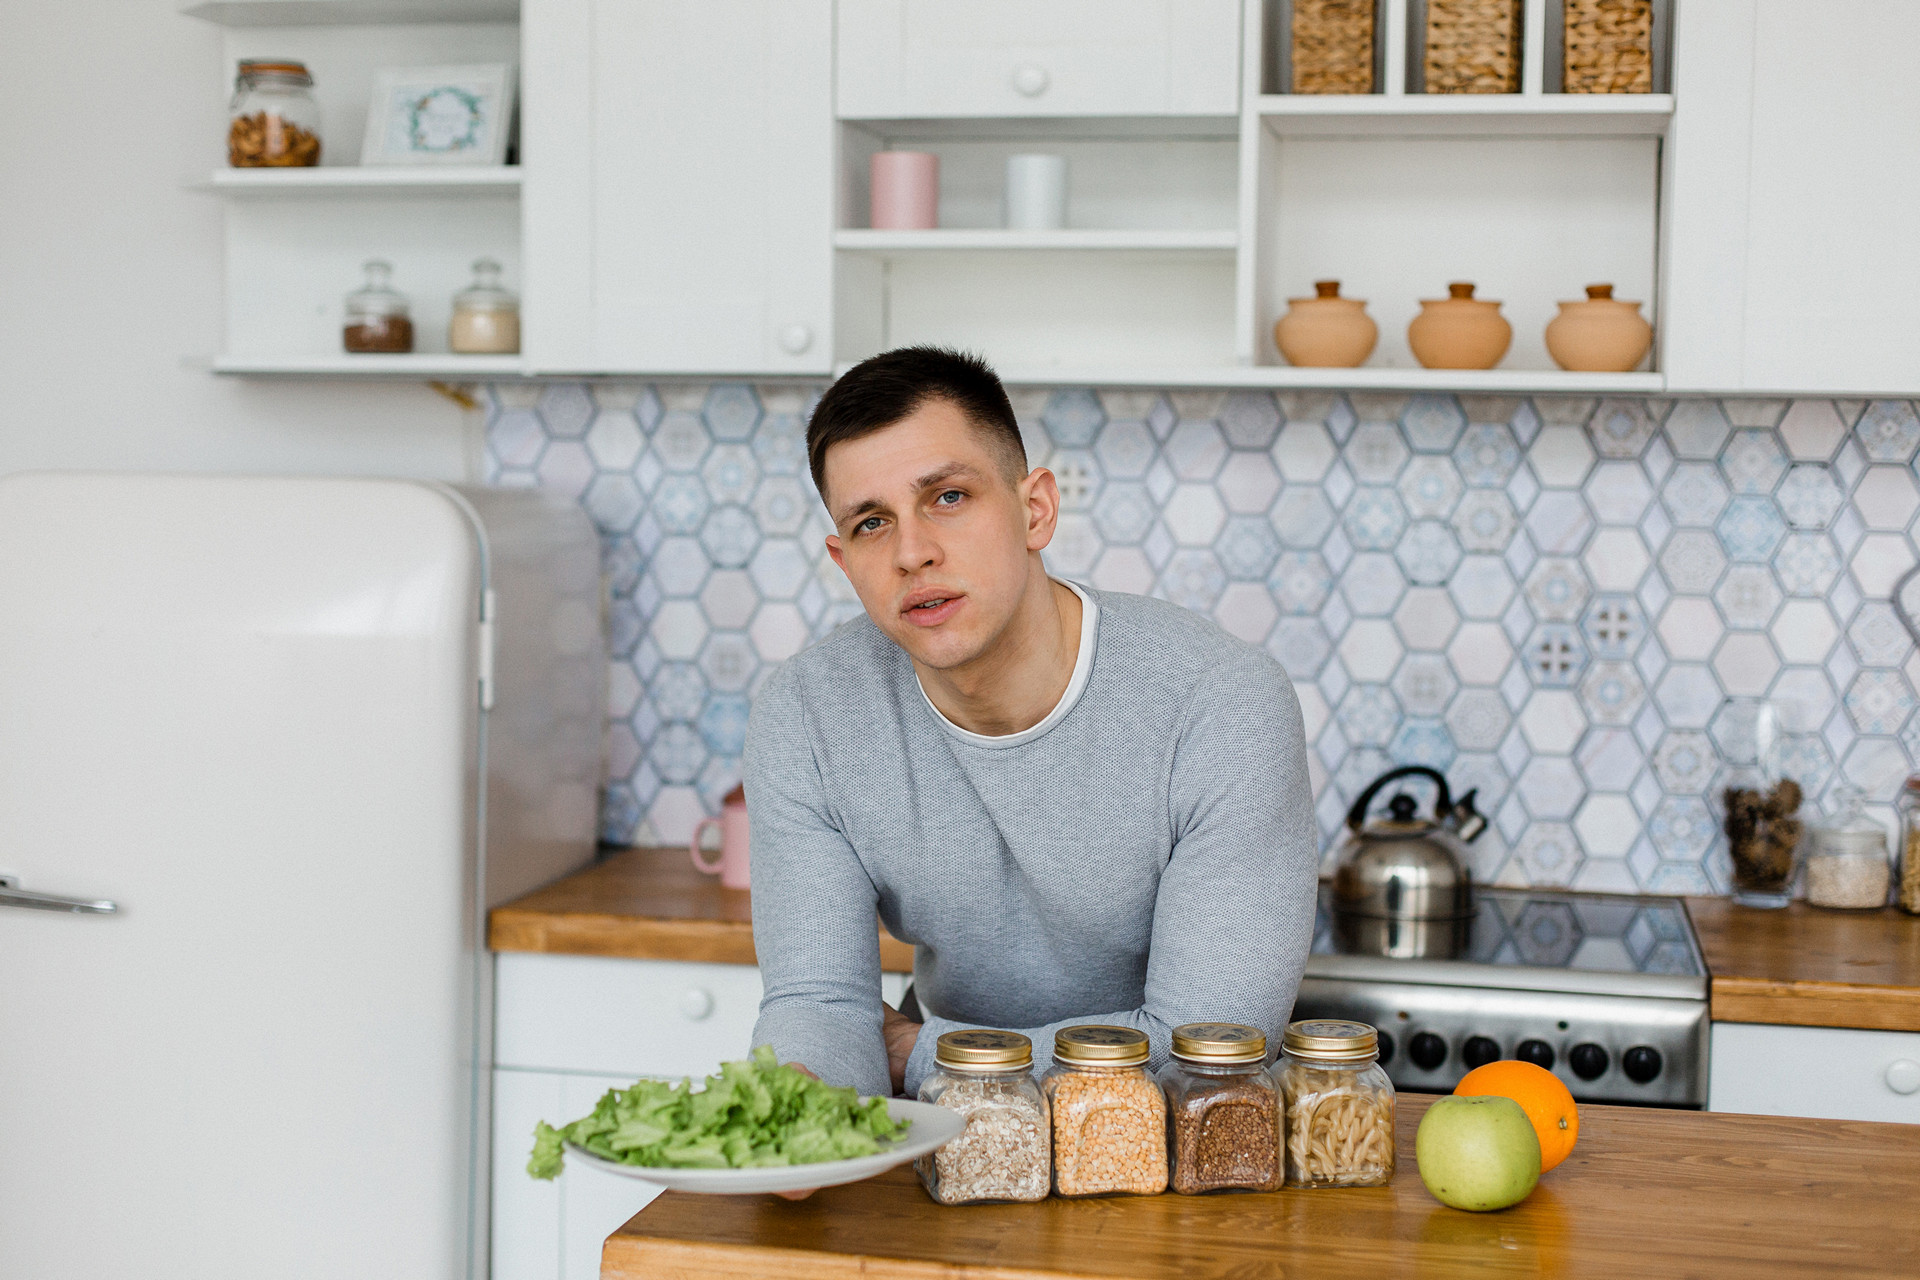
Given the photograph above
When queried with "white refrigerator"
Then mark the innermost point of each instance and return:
(269, 749)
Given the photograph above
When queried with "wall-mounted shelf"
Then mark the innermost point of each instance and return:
(1476, 381)
(892, 242)
(416, 366)
(1460, 114)
(329, 13)
(352, 180)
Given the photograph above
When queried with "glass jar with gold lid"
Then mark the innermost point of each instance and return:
(1005, 1151)
(1338, 1105)
(1109, 1116)
(1223, 1110)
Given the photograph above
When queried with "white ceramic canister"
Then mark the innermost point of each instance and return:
(1036, 193)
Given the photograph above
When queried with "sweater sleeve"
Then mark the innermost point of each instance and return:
(1234, 913)
(815, 916)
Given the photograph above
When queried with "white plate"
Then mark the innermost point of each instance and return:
(933, 1127)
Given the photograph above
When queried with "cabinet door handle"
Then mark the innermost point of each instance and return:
(1903, 1076)
(697, 1004)
(11, 897)
(795, 339)
(1030, 80)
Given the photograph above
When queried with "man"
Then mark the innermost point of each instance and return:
(1078, 806)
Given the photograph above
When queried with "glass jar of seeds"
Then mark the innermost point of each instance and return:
(1339, 1106)
(1109, 1117)
(1004, 1153)
(1223, 1110)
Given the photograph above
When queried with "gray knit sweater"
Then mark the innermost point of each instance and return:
(1144, 856)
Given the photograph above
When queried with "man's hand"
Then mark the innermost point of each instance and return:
(901, 1033)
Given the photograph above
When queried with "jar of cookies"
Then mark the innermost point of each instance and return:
(273, 121)
(1339, 1105)
(1109, 1116)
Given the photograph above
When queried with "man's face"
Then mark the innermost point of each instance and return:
(933, 533)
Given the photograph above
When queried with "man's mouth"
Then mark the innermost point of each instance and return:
(930, 609)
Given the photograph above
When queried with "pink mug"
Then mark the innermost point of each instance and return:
(904, 190)
(732, 863)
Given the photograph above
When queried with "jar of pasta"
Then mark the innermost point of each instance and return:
(1223, 1110)
(1004, 1152)
(1109, 1116)
(1339, 1106)
(273, 120)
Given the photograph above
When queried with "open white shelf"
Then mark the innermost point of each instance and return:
(415, 365)
(870, 241)
(1473, 381)
(370, 180)
(1492, 114)
(327, 13)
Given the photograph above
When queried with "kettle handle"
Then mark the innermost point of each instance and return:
(1357, 816)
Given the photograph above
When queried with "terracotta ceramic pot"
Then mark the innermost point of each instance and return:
(1600, 335)
(1326, 331)
(1459, 331)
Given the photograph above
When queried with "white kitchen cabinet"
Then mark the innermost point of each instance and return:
(1815, 1071)
(1790, 262)
(567, 1029)
(679, 172)
(907, 58)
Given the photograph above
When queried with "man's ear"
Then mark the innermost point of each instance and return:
(833, 549)
(1040, 495)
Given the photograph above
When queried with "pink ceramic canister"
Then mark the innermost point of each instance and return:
(906, 190)
(732, 862)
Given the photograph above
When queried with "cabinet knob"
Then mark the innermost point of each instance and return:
(696, 1004)
(1030, 80)
(1903, 1076)
(795, 339)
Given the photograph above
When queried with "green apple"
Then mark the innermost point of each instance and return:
(1477, 1153)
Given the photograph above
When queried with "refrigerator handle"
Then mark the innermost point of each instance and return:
(12, 897)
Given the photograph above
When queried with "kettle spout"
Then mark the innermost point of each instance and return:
(1466, 821)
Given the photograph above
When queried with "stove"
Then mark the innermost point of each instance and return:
(1607, 992)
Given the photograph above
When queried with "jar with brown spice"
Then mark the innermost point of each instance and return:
(1223, 1110)
(1339, 1105)
(1109, 1117)
(1004, 1153)
(377, 319)
(273, 120)
(1906, 878)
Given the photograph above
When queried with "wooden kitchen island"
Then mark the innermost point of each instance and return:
(1646, 1193)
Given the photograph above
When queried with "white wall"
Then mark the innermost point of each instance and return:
(110, 272)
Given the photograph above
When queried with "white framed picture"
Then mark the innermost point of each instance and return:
(440, 115)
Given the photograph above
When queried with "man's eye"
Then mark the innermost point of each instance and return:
(943, 500)
(868, 525)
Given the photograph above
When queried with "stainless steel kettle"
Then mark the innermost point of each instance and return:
(1406, 870)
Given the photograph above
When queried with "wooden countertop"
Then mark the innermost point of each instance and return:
(1646, 1193)
(1802, 966)
(1798, 967)
(644, 904)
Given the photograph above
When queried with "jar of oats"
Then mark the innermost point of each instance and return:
(1338, 1103)
(1223, 1110)
(1847, 869)
(1004, 1153)
(1109, 1116)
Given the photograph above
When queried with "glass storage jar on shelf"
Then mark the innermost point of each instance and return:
(1004, 1153)
(1847, 865)
(1109, 1117)
(1906, 880)
(1339, 1105)
(1223, 1110)
(486, 318)
(273, 121)
(377, 320)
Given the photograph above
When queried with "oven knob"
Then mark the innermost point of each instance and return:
(1641, 1063)
(1479, 1051)
(1427, 1050)
(1386, 1048)
(1538, 1052)
(1589, 1061)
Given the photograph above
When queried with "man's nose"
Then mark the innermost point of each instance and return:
(916, 548)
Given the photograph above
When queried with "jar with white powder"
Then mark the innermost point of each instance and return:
(486, 317)
(1005, 1152)
(1848, 868)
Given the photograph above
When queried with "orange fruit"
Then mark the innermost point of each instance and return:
(1540, 1094)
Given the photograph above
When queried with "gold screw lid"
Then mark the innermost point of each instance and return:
(1219, 1042)
(981, 1049)
(1100, 1046)
(1332, 1041)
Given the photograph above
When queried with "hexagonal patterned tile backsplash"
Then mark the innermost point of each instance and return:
(1569, 604)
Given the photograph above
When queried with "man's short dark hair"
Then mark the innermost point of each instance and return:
(884, 389)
